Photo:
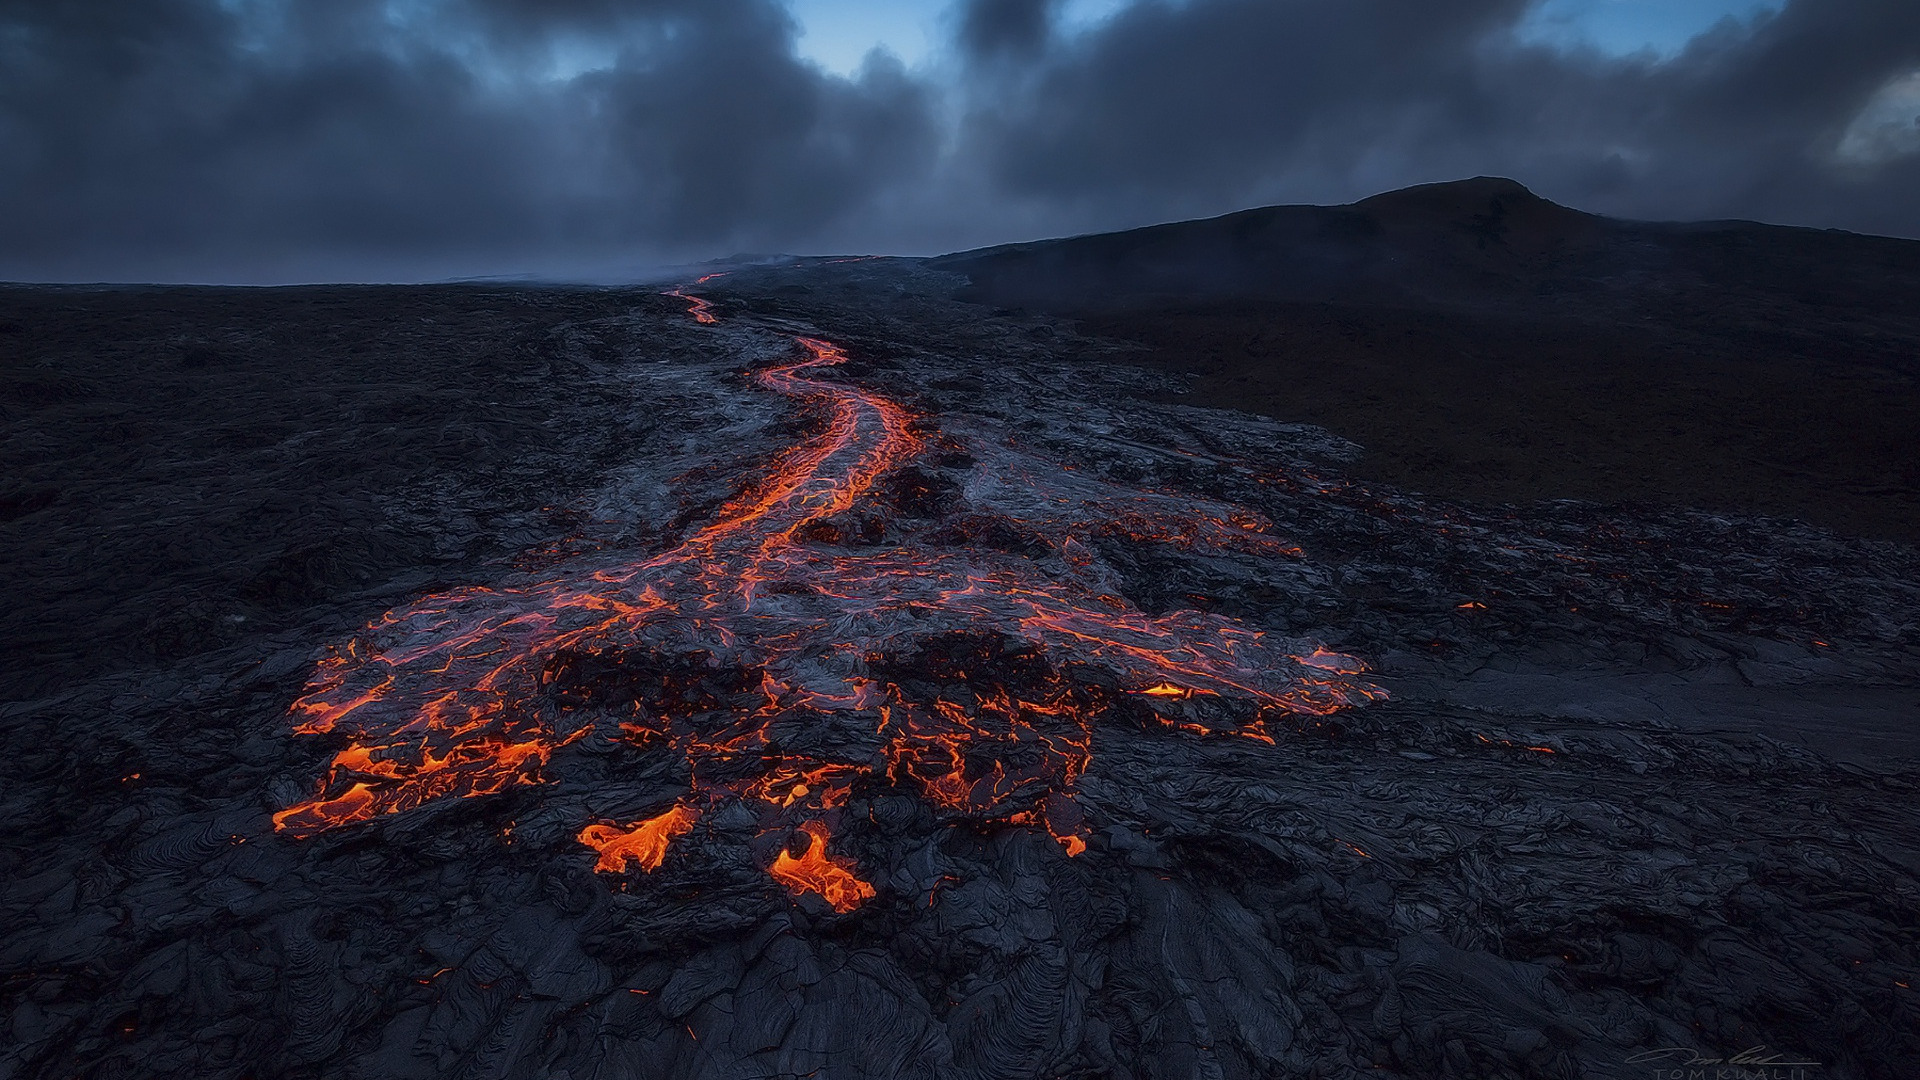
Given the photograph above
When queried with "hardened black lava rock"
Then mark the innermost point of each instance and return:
(1642, 794)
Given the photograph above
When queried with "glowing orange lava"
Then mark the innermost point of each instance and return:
(644, 842)
(828, 876)
(785, 609)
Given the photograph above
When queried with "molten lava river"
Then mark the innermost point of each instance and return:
(968, 657)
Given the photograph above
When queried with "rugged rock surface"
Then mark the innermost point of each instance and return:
(1644, 781)
(1483, 343)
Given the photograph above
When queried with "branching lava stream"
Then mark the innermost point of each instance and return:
(970, 674)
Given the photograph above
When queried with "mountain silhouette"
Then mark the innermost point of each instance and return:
(1485, 343)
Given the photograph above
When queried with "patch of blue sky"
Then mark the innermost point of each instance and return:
(1625, 27)
(837, 34)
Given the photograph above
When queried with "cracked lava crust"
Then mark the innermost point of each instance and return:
(824, 595)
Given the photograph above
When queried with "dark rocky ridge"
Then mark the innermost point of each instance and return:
(1719, 851)
(1487, 242)
(1485, 343)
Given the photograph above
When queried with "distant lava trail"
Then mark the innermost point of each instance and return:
(965, 671)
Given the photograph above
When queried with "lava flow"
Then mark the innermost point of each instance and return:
(813, 644)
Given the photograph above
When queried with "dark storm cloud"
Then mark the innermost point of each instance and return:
(991, 28)
(274, 139)
(1208, 105)
(260, 139)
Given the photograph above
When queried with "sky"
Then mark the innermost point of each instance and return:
(387, 140)
(837, 34)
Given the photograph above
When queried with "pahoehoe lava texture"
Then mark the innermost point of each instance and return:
(1645, 778)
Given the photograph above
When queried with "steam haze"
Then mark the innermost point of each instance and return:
(255, 140)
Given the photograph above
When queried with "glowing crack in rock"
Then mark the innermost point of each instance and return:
(965, 664)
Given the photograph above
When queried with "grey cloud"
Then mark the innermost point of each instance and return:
(280, 139)
(1202, 107)
(989, 29)
(178, 138)
(715, 131)
(1205, 100)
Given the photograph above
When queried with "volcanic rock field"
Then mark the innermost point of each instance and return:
(807, 672)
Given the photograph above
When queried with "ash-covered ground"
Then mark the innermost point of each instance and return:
(1067, 673)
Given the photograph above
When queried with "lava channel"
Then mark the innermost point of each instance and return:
(962, 667)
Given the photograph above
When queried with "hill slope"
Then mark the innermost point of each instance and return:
(1485, 343)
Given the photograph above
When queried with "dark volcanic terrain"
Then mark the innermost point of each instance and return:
(843, 678)
(1483, 343)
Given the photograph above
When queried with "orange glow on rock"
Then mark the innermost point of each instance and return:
(814, 871)
(700, 309)
(1065, 823)
(644, 842)
(1332, 661)
(779, 609)
(308, 818)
